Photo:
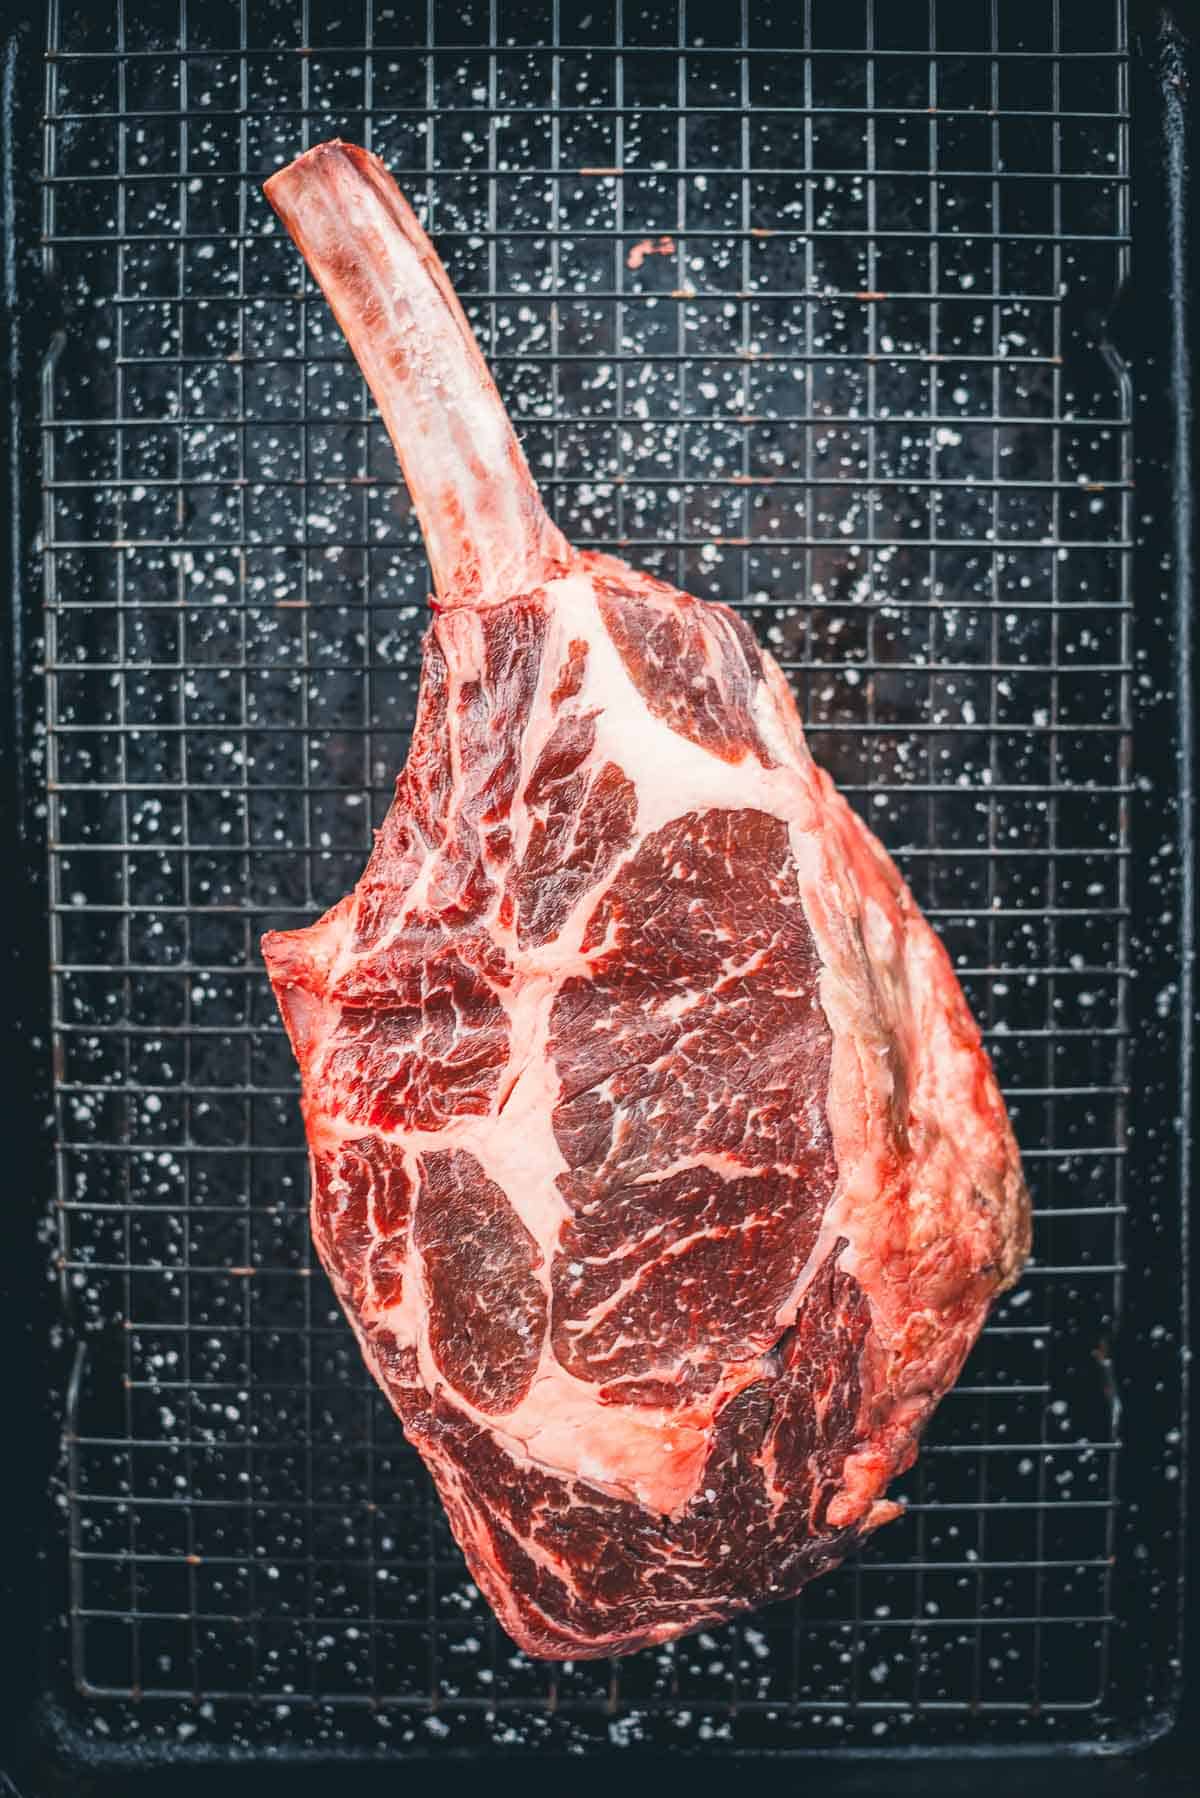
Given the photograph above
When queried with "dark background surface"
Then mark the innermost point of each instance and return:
(155, 335)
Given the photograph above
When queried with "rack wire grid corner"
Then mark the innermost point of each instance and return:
(790, 304)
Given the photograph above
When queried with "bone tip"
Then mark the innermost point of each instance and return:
(310, 161)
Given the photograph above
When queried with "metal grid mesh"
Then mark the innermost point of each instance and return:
(797, 307)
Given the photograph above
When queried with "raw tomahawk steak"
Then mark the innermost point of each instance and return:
(656, 1159)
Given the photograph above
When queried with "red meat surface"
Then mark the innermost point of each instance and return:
(656, 1159)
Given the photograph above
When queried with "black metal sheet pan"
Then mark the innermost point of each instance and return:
(902, 370)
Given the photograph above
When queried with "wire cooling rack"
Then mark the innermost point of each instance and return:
(802, 307)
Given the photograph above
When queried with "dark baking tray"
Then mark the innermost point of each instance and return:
(926, 416)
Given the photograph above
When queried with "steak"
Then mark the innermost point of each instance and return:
(656, 1159)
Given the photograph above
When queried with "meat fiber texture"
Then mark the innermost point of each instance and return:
(656, 1159)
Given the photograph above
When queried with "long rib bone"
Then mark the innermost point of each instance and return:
(486, 531)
